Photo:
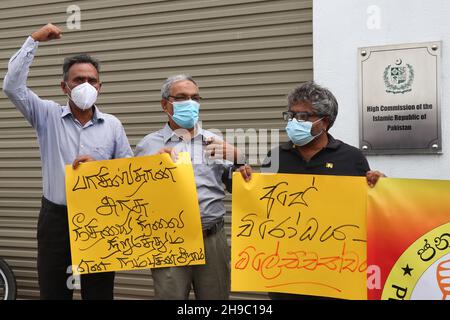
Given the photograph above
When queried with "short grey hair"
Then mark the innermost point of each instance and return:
(167, 85)
(322, 100)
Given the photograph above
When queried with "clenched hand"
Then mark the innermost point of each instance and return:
(47, 32)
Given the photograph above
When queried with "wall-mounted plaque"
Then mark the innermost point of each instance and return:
(399, 99)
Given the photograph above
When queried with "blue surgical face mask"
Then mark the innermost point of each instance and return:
(185, 113)
(299, 132)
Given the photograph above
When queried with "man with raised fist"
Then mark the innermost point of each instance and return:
(69, 134)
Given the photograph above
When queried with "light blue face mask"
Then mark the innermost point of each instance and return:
(185, 113)
(299, 132)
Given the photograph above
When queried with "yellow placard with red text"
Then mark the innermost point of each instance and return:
(301, 234)
(133, 213)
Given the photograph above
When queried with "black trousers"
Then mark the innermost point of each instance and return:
(54, 260)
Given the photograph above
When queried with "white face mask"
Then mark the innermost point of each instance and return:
(83, 95)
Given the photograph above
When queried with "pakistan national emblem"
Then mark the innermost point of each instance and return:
(398, 78)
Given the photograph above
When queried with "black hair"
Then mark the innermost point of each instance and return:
(79, 58)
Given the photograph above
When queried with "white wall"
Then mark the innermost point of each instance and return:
(340, 27)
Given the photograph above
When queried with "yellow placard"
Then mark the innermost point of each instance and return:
(133, 213)
(302, 234)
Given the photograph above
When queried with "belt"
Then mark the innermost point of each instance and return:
(213, 229)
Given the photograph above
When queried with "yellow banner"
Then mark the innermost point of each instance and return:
(133, 213)
(302, 234)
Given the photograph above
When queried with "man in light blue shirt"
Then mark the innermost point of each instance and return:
(213, 161)
(66, 134)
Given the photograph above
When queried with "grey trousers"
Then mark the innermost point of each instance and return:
(210, 281)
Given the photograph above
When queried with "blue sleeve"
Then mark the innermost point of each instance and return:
(33, 108)
(122, 149)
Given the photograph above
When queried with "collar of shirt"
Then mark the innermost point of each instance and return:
(332, 144)
(97, 117)
(168, 133)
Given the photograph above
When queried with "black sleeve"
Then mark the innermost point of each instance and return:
(362, 165)
(266, 166)
(227, 178)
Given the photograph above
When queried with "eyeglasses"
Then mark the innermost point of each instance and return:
(195, 98)
(300, 116)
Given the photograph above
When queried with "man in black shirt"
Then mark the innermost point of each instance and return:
(312, 111)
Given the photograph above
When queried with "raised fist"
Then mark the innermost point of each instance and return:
(46, 33)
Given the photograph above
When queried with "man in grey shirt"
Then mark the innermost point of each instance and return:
(213, 162)
(67, 134)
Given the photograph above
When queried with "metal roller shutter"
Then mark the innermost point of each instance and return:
(245, 54)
